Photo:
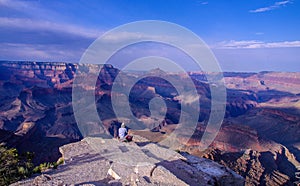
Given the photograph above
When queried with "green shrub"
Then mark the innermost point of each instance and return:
(47, 165)
(36, 170)
(14, 166)
(60, 161)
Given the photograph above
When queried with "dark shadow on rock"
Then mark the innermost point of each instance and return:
(103, 182)
(142, 144)
(285, 166)
(147, 179)
(77, 160)
(239, 74)
(295, 151)
(267, 161)
(281, 163)
(123, 149)
(182, 175)
(151, 155)
(113, 128)
(265, 96)
(229, 156)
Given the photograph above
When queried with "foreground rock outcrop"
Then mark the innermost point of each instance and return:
(98, 161)
(259, 168)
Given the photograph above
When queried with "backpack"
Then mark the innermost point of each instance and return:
(129, 138)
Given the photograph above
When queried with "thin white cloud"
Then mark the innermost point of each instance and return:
(200, 2)
(41, 19)
(282, 3)
(259, 33)
(272, 7)
(35, 25)
(14, 4)
(47, 36)
(256, 44)
(31, 9)
(126, 36)
(39, 52)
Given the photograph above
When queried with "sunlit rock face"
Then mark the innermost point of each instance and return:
(35, 106)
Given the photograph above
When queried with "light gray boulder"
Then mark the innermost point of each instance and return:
(97, 161)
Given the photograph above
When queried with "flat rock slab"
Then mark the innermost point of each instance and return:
(97, 161)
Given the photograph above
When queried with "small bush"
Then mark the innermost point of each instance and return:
(36, 170)
(60, 161)
(14, 166)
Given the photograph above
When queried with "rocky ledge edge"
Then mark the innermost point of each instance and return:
(97, 161)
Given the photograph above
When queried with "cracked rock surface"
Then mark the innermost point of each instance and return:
(97, 161)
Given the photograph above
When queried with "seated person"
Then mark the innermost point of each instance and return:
(123, 133)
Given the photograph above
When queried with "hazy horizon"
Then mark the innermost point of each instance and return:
(139, 70)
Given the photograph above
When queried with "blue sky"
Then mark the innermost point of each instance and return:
(247, 35)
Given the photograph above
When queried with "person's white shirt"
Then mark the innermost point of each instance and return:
(122, 133)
